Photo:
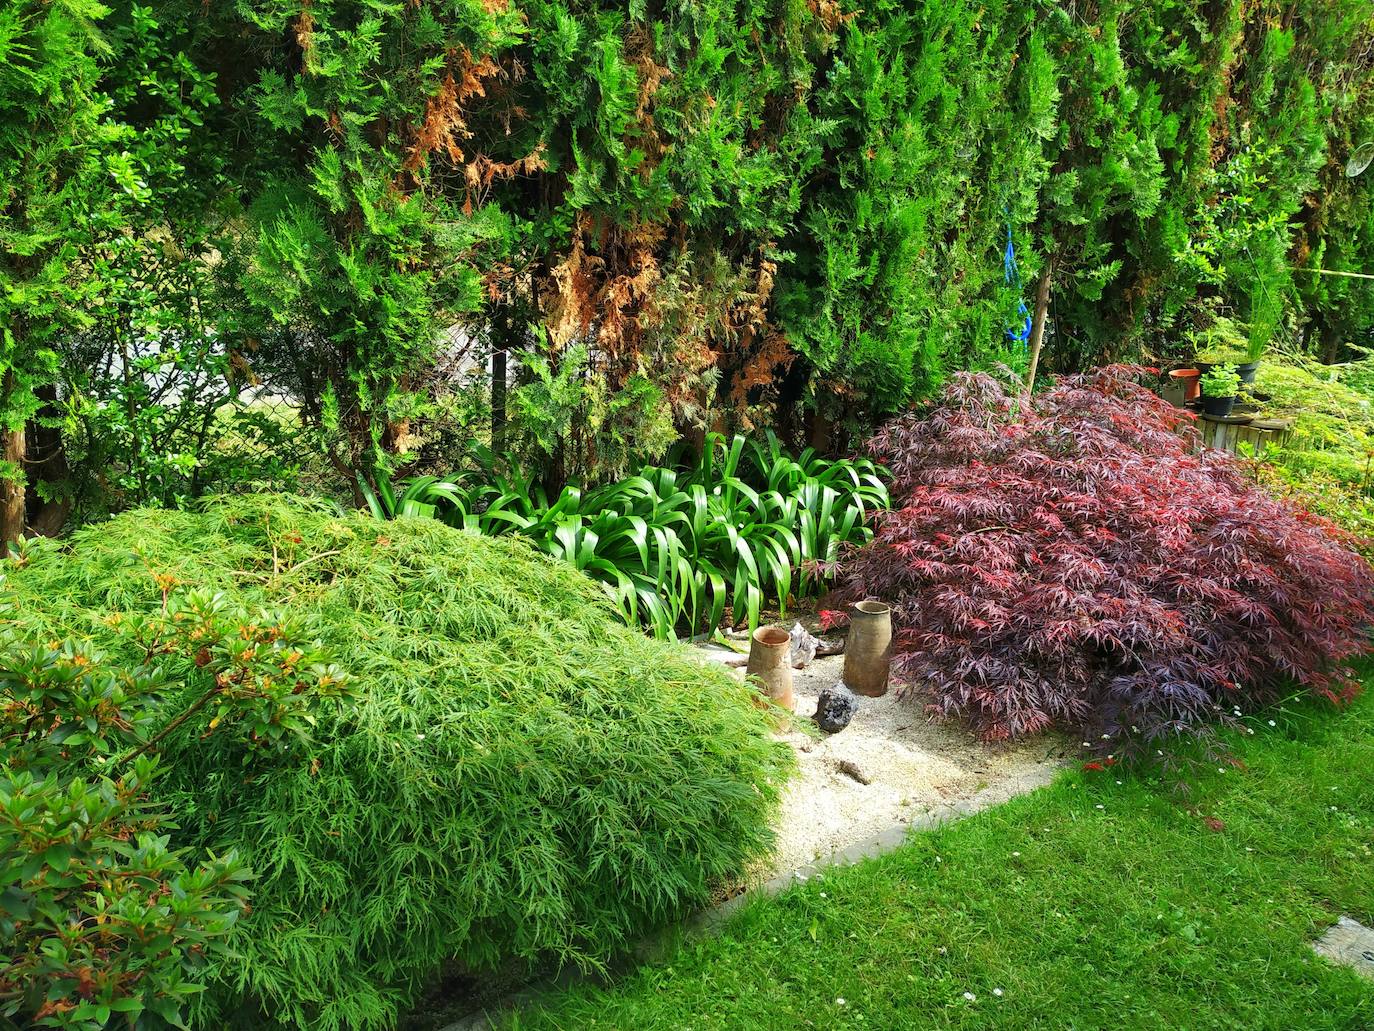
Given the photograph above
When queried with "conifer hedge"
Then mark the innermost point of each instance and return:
(519, 774)
(669, 216)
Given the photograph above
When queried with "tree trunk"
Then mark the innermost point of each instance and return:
(1042, 304)
(822, 428)
(12, 449)
(47, 464)
(1330, 341)
(12, 487)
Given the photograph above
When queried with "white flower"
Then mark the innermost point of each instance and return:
(419, 737)
(839, 1002)
(824, 895)
(1106, 737)
(997, 992)
(1118, 782)
(1272, 723)
(1016, 853)
(970, 997)
(1102, 807)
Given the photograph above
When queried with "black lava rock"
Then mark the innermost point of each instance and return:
(835, 708)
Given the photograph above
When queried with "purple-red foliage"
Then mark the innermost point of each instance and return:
(1077, 560)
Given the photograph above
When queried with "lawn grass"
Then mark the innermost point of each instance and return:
(1103, 901)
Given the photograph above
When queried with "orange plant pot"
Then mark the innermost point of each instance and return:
(1191, 381)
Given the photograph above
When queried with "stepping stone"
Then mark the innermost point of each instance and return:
(1349, 943)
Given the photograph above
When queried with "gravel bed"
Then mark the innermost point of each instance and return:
(911, 766)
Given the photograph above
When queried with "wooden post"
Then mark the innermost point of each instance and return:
(1042, 304)
(13, 449)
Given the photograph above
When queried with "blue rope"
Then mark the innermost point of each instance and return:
(1012, 276)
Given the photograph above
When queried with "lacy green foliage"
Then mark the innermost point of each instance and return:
(1346, 504)
(100, 916)
(744, 525)
(1333, 422)
(519, 774)
(1326, 463)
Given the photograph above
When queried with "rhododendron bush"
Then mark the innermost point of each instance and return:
(1077, 560)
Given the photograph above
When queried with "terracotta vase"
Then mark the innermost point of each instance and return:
(770, 653)
(868, 649)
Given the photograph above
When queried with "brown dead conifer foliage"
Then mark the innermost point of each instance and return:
(305, 38)
(444, 124)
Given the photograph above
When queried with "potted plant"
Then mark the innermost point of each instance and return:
(1184, 383)
(1247, 369)
(1220, 385)
(1224, 341)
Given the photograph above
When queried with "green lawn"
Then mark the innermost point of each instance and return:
(1090, 904)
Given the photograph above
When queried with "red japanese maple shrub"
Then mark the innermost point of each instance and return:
(1077, 560)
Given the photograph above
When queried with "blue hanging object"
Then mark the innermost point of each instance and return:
(1012, 275)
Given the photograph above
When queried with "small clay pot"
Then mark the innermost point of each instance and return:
(770, 654)
(1189, 378)
(868, 649)
(1246, 371)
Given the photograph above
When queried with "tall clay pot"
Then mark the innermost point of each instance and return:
(770, 655)
(868, 649)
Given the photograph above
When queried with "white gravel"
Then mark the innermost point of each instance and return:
(914, 766)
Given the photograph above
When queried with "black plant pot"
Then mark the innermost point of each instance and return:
(1218, 406)
(1245, 370)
